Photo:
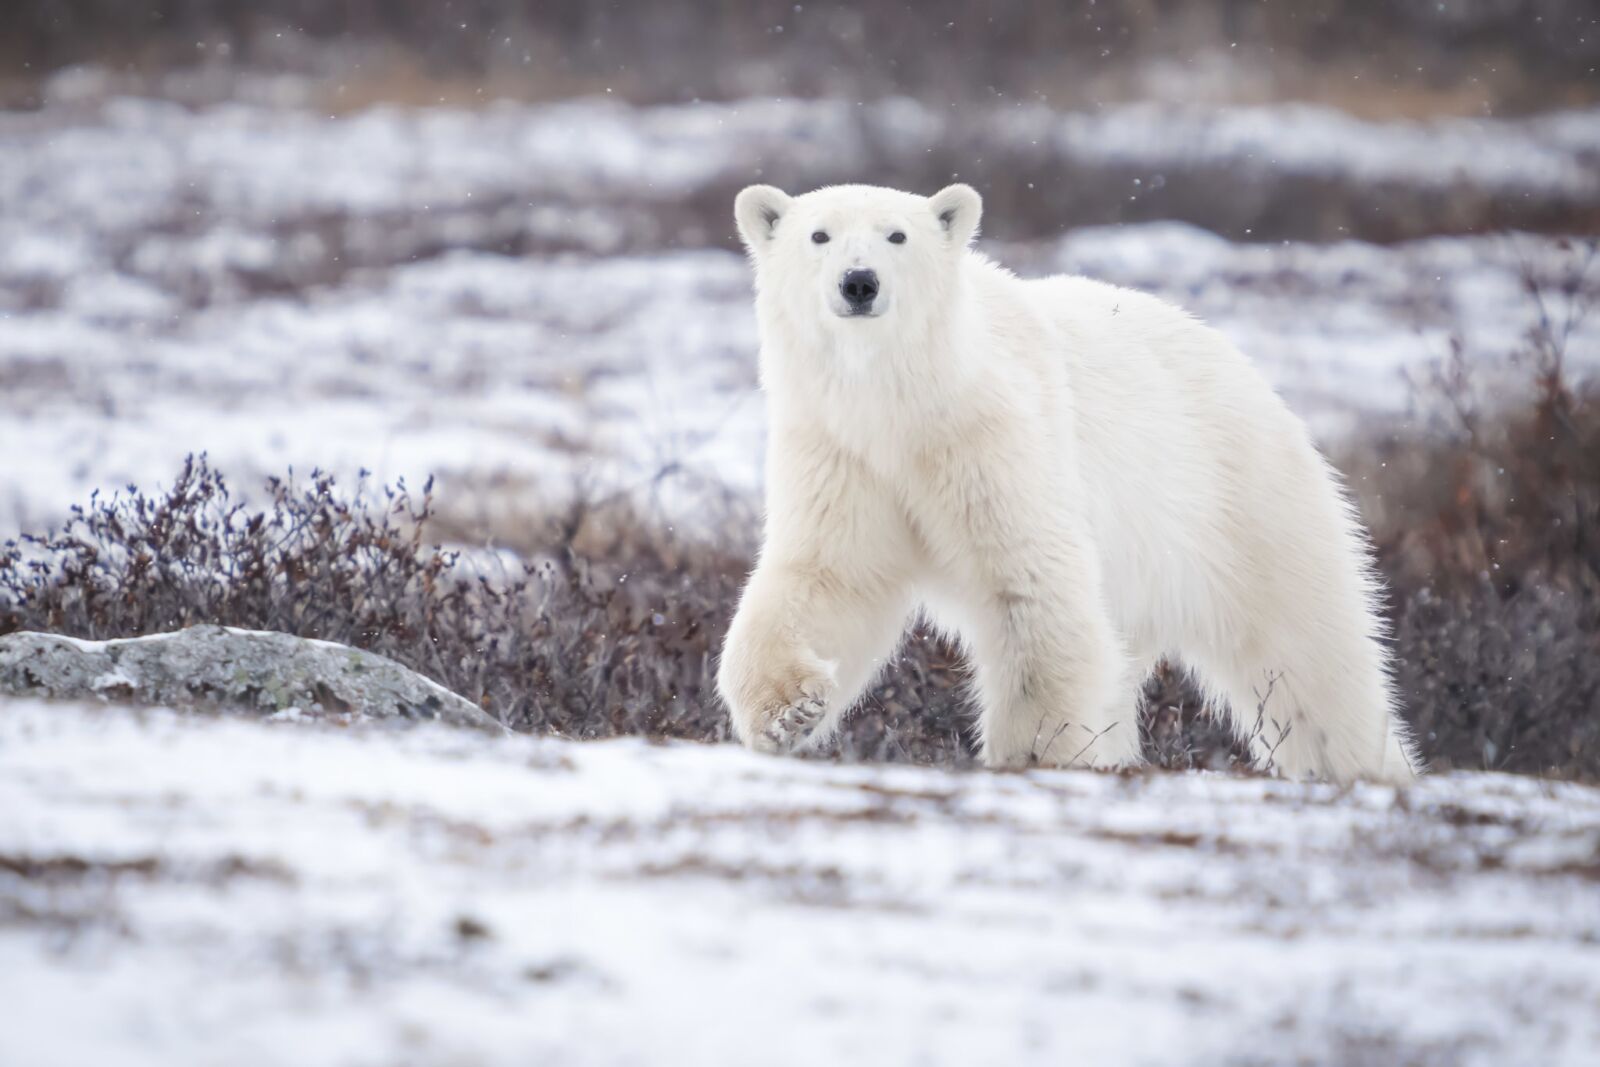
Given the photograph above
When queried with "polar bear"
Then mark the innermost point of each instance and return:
(1076, 480)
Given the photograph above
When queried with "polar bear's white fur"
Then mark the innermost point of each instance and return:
(1076, 479)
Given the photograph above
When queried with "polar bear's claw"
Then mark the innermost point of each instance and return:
(793, 724)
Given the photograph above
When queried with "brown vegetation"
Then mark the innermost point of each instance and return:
(1367, 56)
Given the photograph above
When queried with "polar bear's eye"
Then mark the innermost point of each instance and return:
(897, 238)
(819, 237)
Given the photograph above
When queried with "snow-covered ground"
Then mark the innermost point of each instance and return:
(196, 890)
(526, 295)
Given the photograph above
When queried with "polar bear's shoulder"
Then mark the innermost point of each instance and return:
(1107, 325)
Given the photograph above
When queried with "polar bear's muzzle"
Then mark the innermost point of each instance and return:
(859, 289)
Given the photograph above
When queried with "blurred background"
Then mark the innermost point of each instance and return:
(977, 84)
(491, 242)
(1384, 60)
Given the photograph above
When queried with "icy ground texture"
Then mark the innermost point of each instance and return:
(534, 294)
(186, 890)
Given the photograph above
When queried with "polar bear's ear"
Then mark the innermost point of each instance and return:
(958, 209)
(757, 210)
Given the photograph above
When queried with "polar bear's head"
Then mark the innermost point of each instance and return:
(855, 254)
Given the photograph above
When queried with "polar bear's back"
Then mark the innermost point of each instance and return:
(1138, 366)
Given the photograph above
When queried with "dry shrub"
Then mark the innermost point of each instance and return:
(1488, 529)
(566, 643)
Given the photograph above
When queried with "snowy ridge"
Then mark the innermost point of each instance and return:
(271, 161)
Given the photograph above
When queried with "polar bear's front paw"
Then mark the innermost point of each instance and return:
(791, 725)
(778, 710)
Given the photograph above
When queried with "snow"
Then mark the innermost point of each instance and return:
(224, 890)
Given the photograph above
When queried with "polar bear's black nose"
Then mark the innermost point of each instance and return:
(860, 288)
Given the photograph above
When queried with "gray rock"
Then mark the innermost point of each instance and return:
(248, 670)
